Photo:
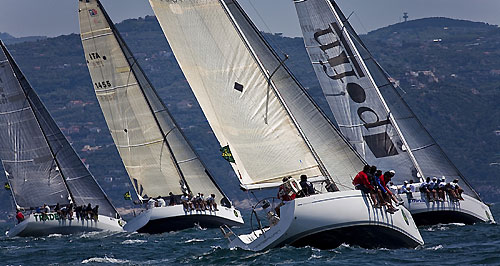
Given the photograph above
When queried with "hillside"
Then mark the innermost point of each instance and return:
(449, 69)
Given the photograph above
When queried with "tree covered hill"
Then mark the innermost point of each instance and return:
(449, 69)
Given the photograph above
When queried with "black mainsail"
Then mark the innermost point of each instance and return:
(39, 162)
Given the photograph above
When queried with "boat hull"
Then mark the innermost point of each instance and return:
(173, 218)
(468, 211)
(34, 226)
(327, 220)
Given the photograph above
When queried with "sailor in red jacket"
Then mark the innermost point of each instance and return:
(362, 183)
(19, 216)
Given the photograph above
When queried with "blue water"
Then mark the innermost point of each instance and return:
(452, 244)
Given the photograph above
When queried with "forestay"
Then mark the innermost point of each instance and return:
(250, 99)
(157, 156)
(368, 108)
(40, 164)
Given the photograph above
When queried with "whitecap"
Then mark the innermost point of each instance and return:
(55, 235)
(435, 247)
(133, 241)
(104, 260)
(194, 240)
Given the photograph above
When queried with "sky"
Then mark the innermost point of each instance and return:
(56, 17)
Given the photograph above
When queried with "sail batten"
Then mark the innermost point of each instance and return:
(156, 154)
(249, 97)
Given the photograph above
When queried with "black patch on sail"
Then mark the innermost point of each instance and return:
(356, 92)
(381, 145)
(238, 87)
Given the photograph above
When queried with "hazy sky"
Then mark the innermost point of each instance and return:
(56, 17)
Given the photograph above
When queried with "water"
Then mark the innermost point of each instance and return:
(445, 245)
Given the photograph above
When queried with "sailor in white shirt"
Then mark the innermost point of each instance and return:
(441, 188)
(151, 203)
(161, 202)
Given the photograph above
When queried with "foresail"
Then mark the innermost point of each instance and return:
(271, 126)
(157, 156)
(360, 95)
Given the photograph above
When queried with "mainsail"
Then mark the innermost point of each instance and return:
(252, 102)
(156, 154)
(40, 164)
(367, 106)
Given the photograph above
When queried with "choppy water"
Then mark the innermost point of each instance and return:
(445, 245)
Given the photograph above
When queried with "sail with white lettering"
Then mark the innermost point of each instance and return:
(40, 164)
(252, 102)
(156, 155)
(368, 108)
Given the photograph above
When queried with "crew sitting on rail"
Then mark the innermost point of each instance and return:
(424, 188)
(211, 204)
(307, 188)
(19, 216)
(286, 192)
(386, 179)
(454, 190)
(362, 183)
(433, 187)
(199, 202)
(151, 203)
(186, 202)
(442, 189)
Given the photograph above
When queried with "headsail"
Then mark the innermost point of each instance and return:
(40, 164)
(368, 108)
(157, 156)
(250, 99)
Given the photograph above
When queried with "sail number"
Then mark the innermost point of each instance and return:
(103, 84)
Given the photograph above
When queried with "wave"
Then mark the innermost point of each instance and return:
(435, 247)
(133, 241)
(194, 240)
(104, 260)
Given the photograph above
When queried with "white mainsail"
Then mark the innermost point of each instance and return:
(155, 153)
(368, 108)
(40, 164)
(250, 99)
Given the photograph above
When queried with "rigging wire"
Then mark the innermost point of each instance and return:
(274, 44)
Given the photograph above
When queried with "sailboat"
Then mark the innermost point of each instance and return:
(41, 166)
(273, 130)
(375, 118)
(154, 150)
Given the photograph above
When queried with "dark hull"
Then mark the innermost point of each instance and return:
(177, 223)
(365, 236)
(444, 217)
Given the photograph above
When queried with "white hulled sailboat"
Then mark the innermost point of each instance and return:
(41, 166)
(274, 130)
(156, 154)
(375, 118)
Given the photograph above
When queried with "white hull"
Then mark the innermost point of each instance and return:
(330, 219)
(172, 218)
(468, 211)
(33, 225)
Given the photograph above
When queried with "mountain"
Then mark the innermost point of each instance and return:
(449, 70)
(9, 39)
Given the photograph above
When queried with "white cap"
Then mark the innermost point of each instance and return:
(392, 172)
(406, 182)
(443, 178)
(434, 178)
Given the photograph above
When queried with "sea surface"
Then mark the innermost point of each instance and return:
(452, 244)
